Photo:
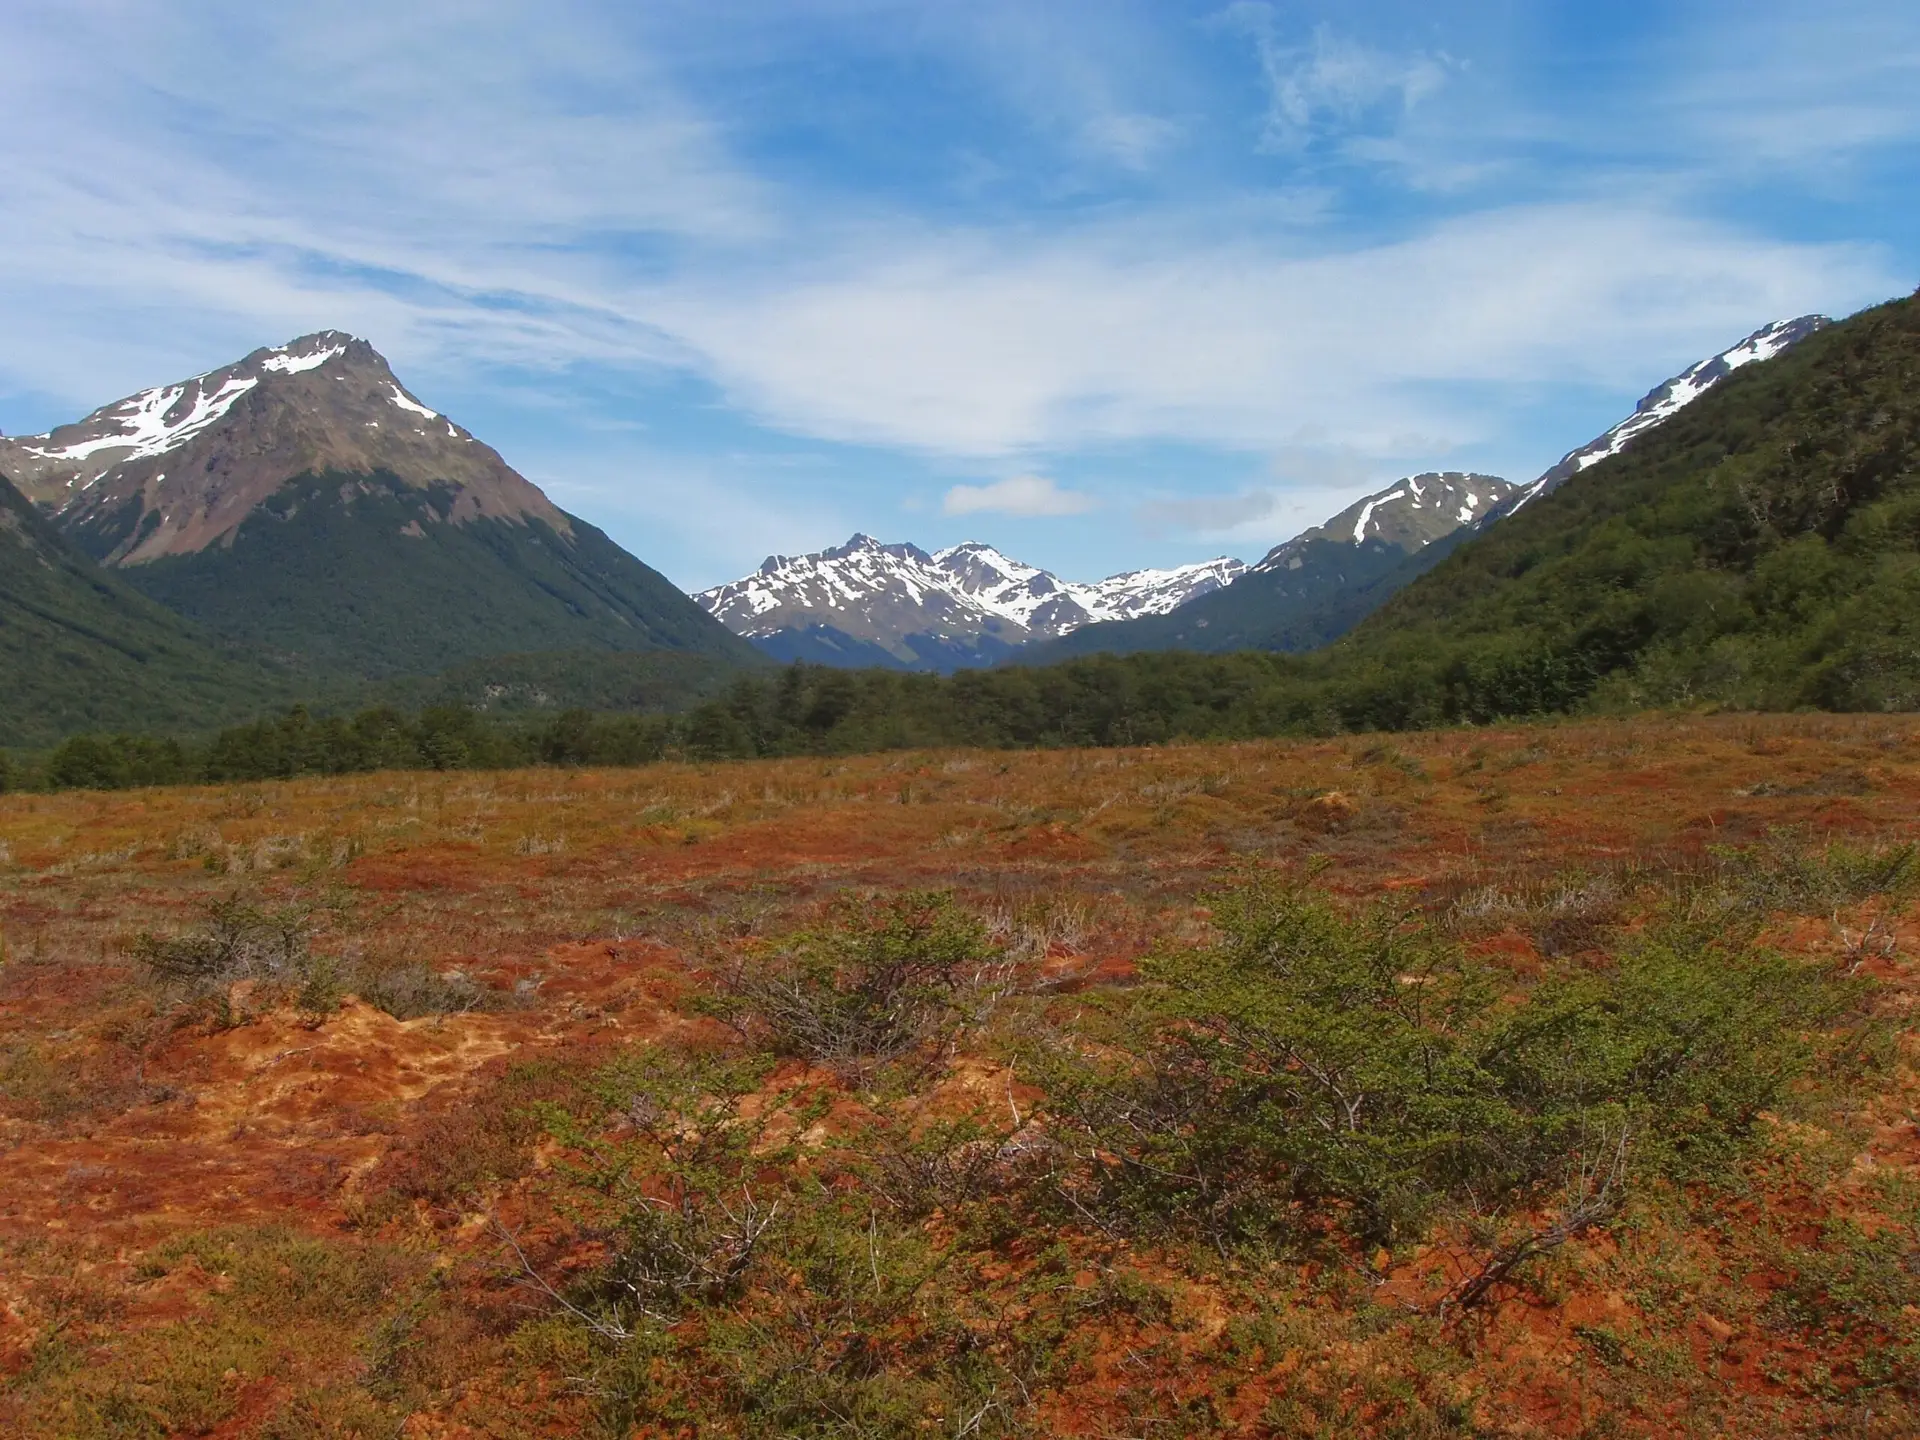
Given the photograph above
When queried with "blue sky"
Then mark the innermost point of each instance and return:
(1106, 284)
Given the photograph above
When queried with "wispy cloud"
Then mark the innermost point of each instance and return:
(1206, 514)
(965, 346)
(682, 215)
(1330, 81)
(1027, 496)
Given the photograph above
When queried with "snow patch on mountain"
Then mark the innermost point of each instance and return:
(1663, 402)
(400, 398)
(1409, 514)
(288, 363)
(970, 588)
(150, 423)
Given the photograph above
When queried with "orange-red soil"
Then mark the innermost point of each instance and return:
(581, 900)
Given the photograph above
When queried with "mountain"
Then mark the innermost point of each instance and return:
(865, 603)
(1311, 588)
(1758, 548)
(1333, 586)
(1657, 407)
(304, 503)
(1664, 401)
(81, 650)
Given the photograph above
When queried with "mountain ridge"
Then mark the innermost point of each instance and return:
(1299, 595)
(865, 602)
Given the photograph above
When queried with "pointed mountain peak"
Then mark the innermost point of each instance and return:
(309, 352)
(177, 468)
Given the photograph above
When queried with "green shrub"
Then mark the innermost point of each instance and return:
(239, 941)
(879, 977)
(407, 992)
(750, 1288)
(117, 762)
(1784, 873)
(1312, 1070)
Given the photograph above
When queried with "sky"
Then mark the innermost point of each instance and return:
(1106, 283)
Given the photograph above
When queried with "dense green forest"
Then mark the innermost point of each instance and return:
(368, 576)
(1761, 550)
(801, 710)
(80, 649)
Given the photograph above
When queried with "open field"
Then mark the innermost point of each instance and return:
(335, 1108)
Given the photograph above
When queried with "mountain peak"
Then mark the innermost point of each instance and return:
(897, 604)
(179, 467)
(1407, 515)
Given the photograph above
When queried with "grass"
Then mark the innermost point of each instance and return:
(270, 1200)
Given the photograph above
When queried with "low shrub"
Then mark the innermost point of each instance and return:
(239, 940)
(1313, 1071)
(752, 1287)
(1786, 874)
(880, 976)
(242, 939)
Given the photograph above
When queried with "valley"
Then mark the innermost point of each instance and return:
(315, 1096)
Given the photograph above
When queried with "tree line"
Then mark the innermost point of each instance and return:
(800, 710)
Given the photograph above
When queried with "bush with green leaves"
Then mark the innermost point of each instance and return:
(878, 977)
(245, 939)
(1785, 873)
(240, 940)
(750, 1286)
(1312, 1070)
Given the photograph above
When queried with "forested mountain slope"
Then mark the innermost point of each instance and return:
(80, 650)
(1761, 548)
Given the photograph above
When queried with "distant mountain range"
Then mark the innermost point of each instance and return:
(299, 525)
(865, 603)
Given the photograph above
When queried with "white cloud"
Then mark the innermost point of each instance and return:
(1027, 496)
(1794, 89)
(1134, 141)
(980, 346)
(1331, 81)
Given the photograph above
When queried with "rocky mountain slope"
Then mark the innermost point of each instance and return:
(865, 603)
(303, 502)
(1300, 593)
(80, 650)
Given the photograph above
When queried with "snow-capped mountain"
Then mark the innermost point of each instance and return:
(868, 603)
(1405, 516)
(1664, 401)
(180, 467)
(302, 502)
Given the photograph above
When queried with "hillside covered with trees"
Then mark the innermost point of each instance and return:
(1759, 551)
